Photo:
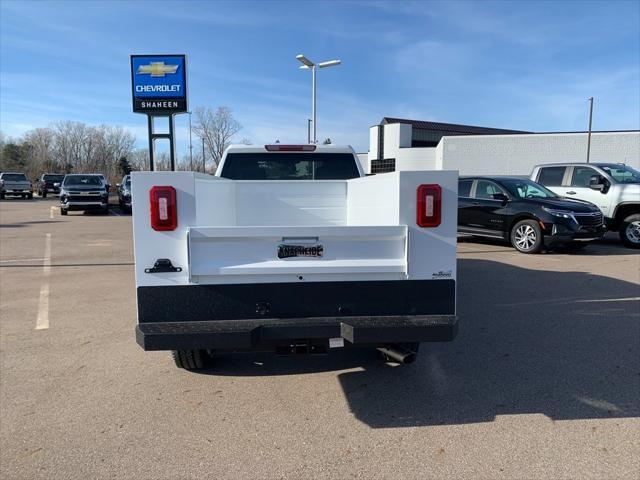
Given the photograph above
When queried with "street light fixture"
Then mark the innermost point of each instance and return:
(309, 65)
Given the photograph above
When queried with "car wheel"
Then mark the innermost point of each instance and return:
(630, 231)
(189, 359)
(30, 196)
(105, 210)
(63, 211)
(526, 236)
(43, 194)
(1, 196)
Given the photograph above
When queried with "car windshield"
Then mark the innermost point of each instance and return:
(53, 178)
(79, 180)
(527, 189)
(622, 173)
(290, 166)
(14, 177)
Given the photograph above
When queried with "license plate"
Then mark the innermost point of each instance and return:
(290, 251)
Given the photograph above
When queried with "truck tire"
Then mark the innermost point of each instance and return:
(63, 211)
(526, 236)
(43, 194)
(630, 231)
(189, 359)
(2, 196)
(30, 196)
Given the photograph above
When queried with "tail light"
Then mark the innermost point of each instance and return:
(429, 205)
(164, 210)
(290, 148)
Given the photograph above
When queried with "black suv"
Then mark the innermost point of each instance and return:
(83, 192)
(124, 193)
(525, 213)
(49, 183)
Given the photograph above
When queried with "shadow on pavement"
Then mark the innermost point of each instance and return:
(562, 344)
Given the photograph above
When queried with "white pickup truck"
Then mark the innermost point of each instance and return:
(291, 248)
(613, 187)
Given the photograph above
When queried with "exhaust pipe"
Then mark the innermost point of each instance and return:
(399, 354)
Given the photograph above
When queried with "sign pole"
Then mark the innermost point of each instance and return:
(172, 144)
(151, 141)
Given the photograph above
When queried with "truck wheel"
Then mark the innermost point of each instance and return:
(2, 196)
(189, 359)
(526, 236)
(30, 196)
(63, 211)
(630, 231)
(43, 194)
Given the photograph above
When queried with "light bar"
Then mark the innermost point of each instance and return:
(330, 63)
(305, 60)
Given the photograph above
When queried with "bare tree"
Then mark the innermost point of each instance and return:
(216, 129)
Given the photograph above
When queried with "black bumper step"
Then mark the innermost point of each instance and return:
(266, 334)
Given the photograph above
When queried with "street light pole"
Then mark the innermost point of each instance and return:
(313, 101)
(589, 136)
(309, 65)
(190, 145)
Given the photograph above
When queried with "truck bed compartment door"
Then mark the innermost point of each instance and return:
(216, 252)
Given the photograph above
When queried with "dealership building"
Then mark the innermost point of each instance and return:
(400, 144)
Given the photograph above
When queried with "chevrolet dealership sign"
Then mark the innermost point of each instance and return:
(159, 84)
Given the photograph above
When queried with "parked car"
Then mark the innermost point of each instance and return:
(613, 187)
(83, 192)
(124, 193)
(15, 184)
(525, 213)
(291, 248)
(49, 183)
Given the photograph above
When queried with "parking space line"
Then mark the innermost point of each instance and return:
(51, 210)
(42, 322)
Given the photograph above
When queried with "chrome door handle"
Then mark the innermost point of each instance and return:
(571, 193)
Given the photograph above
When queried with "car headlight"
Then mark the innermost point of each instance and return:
(560, 213)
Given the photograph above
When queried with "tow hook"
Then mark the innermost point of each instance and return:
(162, 265)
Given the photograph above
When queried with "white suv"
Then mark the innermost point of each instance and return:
(613, 187)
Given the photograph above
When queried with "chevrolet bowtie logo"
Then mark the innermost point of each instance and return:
(157, 69)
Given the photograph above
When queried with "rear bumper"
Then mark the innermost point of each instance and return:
(268, 334)
(262, 316)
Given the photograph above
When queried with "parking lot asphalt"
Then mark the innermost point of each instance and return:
(543, 380)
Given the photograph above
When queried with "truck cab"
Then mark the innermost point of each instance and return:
(613, 187)
(291, 248)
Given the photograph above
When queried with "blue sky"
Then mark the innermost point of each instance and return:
(520, 65)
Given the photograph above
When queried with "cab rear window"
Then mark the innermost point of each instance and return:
(14, 177)
(289, 166)
(551, 176)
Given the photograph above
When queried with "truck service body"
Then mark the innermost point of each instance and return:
(294, 250)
